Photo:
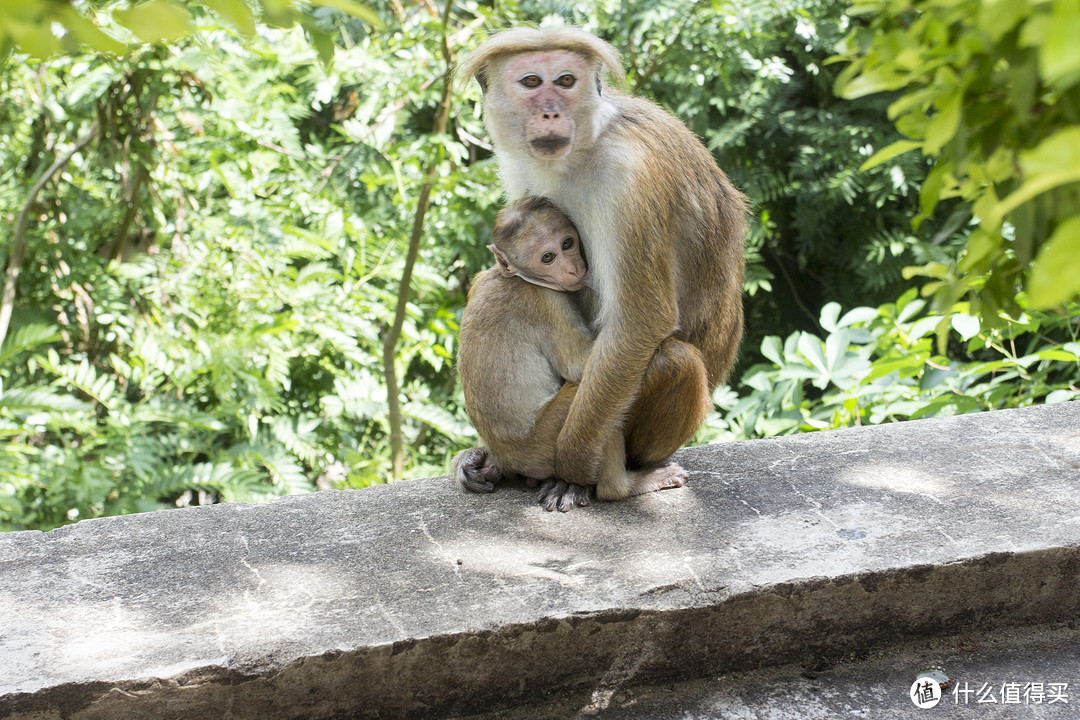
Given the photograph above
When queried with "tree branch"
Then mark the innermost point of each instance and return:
(393, 335)
(18, 245)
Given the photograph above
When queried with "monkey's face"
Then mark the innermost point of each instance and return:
(543, 91)
(547, 254)
(554, 259)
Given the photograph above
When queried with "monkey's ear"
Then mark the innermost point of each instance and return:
(503, 261)
(482, 78)
(599, 84)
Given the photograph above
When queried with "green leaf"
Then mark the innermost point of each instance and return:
(236, 13)
(907, 367)
(89, 33)
(23, 400)
(858, 316)
(323, 42)
(35, 38)
(773, 350)
(967, 325)
(869, 82)
(1054, 162)
(1058, 396)
(935, 270)
(1055, 274)
(156, 21)
(944, 124)
(813, 349)
(829, 315)
(1056, 355)
(352, 8)
(1058, 56)
(439, 419)
(27, 337)
(889, 152)
(931, 191)
(998, 17)
(982, 247)
(836, 346)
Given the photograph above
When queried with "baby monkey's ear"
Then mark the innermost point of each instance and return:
(507, 267)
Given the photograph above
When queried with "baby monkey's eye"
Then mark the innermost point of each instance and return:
(547, 258)
(568, 243)
(530, 81)
(566, 80)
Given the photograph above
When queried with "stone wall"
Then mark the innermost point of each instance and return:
(419, 600)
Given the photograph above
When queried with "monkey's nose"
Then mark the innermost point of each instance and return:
(551, 116)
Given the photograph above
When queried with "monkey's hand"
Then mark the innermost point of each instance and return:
(613, 377)
(475, 470)
(558, 495)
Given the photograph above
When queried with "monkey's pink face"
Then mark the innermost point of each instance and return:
(556, 260)
(544, 90)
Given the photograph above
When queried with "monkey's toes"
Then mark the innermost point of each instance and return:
(562, 496)
(664, 477)
(475, 482)
(476, 471)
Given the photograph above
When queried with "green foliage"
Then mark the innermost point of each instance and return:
(43, 28)
(877, 365)
(216, 227)
(211, 276)
(991, 92)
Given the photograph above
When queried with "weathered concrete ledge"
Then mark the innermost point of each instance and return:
(417, 599)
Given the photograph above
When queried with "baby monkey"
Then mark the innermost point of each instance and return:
(522, 353)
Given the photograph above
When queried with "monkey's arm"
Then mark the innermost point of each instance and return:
(569, 343)
(571, 356)
(641, 317)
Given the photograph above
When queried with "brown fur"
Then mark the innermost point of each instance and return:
(522, 351)
(663, 229)
(511, 333)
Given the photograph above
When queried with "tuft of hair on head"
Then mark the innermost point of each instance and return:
(533, 39)
(511, 219)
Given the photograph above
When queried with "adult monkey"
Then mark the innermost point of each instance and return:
(663, 229)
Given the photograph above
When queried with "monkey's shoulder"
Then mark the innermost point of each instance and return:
(639, 115)
(495, 299)
(653, 147)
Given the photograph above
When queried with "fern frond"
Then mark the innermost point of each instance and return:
(440, 419)
(26, 338)
(83, 377)
(39, 399)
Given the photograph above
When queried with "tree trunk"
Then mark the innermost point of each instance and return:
(393, 334)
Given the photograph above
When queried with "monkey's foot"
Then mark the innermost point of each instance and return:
(558, 495)
(664, 477)
(475, 470)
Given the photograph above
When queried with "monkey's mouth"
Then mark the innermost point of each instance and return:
(550, 144)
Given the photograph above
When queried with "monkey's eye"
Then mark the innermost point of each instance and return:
(531, 81)
(547, 258)
(566, 80)
(567, 243)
